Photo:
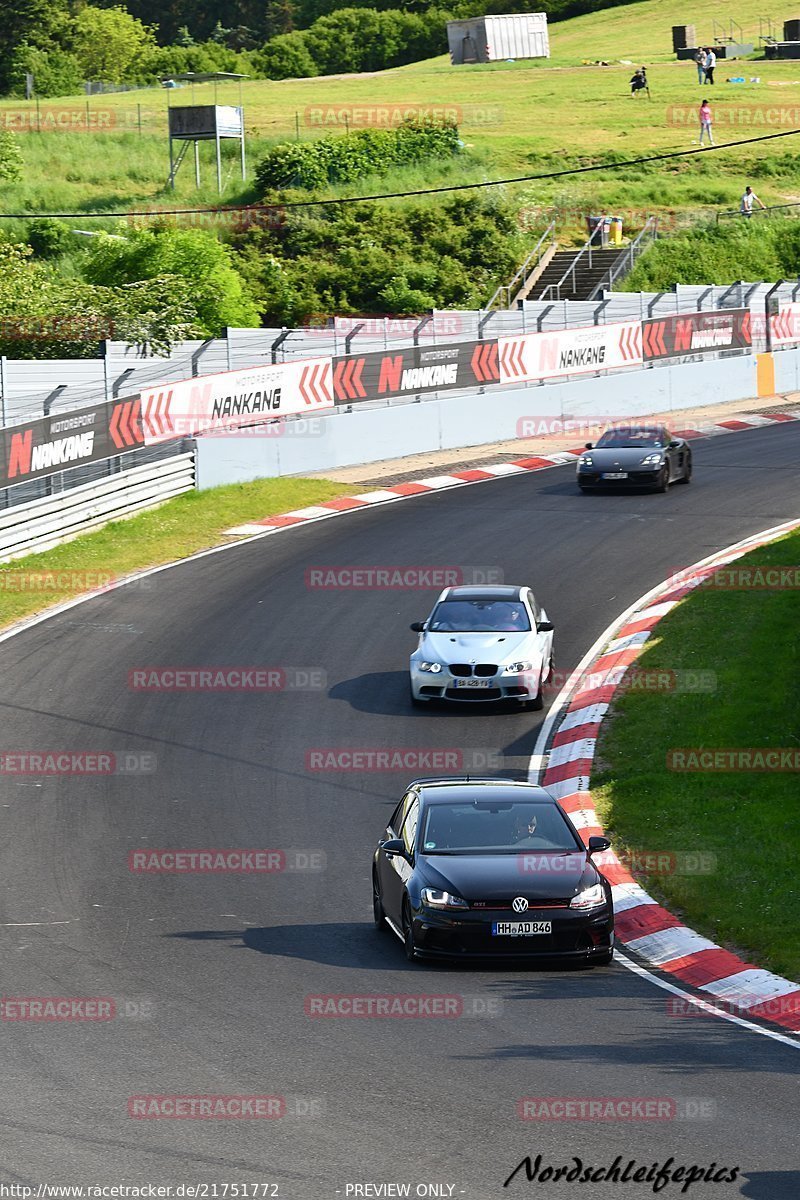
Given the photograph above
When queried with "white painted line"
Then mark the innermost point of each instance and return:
(666, 986)
(568, 787)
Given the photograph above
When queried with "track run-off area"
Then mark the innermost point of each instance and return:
(216, 977)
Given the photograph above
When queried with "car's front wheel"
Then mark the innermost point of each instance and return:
(408, 933)
(686, 477)
(662, 483)
(378, 915)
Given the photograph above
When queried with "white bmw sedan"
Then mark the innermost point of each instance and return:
(484, 644)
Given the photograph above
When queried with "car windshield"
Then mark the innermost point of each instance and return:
(492, 827)
(479, 616)
(631, 439)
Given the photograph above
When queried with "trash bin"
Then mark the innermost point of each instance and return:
(597, 230)
(615, 232)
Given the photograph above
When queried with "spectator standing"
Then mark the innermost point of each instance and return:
(700, 60)
(748, 198)
(710, 63)
(706, 119)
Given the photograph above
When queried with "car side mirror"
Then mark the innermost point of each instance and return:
(417, 627)
(545, 627)
(673, 445)
(397, 846)
(588, 446)
(596, 844)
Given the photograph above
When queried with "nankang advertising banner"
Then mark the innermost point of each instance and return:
(579, 351)
(233, 399)
(69, 439)
(696, 333)
(414, 370)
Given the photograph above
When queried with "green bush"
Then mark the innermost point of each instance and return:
(55, 72)
(219, 294)
(761, 248)
(285, 57)
(353, 156)
(48, 237)
(381, 258)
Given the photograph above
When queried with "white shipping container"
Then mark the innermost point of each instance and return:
(496, 38)
(521, 35)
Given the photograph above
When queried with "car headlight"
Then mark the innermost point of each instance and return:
(653, 460)
(591, 897)
(435, 898)
(586, 460)
(518, 668)
(433, 667)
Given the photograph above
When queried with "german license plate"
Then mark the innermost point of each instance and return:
(520, 928)
(615, 475)
(474, 683)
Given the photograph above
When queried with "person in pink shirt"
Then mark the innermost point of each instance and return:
(705, 123)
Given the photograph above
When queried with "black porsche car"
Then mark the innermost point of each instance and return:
(489, 868)
(635, 456)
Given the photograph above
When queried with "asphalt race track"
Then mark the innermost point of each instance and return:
(210, 972)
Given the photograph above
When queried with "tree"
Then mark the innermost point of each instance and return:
(110, 44)
(36, 22)
(219, 293)
(55, 72)
(286, 57)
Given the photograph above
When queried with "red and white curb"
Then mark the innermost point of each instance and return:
(562, 763)
(435, 483)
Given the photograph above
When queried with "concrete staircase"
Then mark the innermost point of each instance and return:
(587, 275)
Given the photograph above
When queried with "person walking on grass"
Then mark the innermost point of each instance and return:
(709, 65)
(700, 61)
(748, 197)
(705, 123)
(639, 82)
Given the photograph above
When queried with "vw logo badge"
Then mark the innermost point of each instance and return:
(519, 904)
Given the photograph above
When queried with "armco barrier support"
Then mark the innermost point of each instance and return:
(327, 441)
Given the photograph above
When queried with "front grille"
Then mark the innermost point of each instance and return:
(505, 906)
(486, 669)
(473, 693)
(460, 669)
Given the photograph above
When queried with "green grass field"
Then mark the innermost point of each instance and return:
(747, 822)
(516, 119)
(182, 526)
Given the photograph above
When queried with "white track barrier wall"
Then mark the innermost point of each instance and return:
(341, 439)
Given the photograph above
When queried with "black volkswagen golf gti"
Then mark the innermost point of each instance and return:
(489, 868)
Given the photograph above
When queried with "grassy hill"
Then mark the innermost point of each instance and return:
(516, 118)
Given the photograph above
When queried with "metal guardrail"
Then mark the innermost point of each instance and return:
(507, 291)
(623, 264)
(595, 240)
(42, 524)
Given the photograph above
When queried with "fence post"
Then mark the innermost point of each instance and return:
(2, 390)
(104, 354)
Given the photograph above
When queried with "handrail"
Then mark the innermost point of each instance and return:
(624, 261)
(737, 212)
(508, 288)
(594, 237)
